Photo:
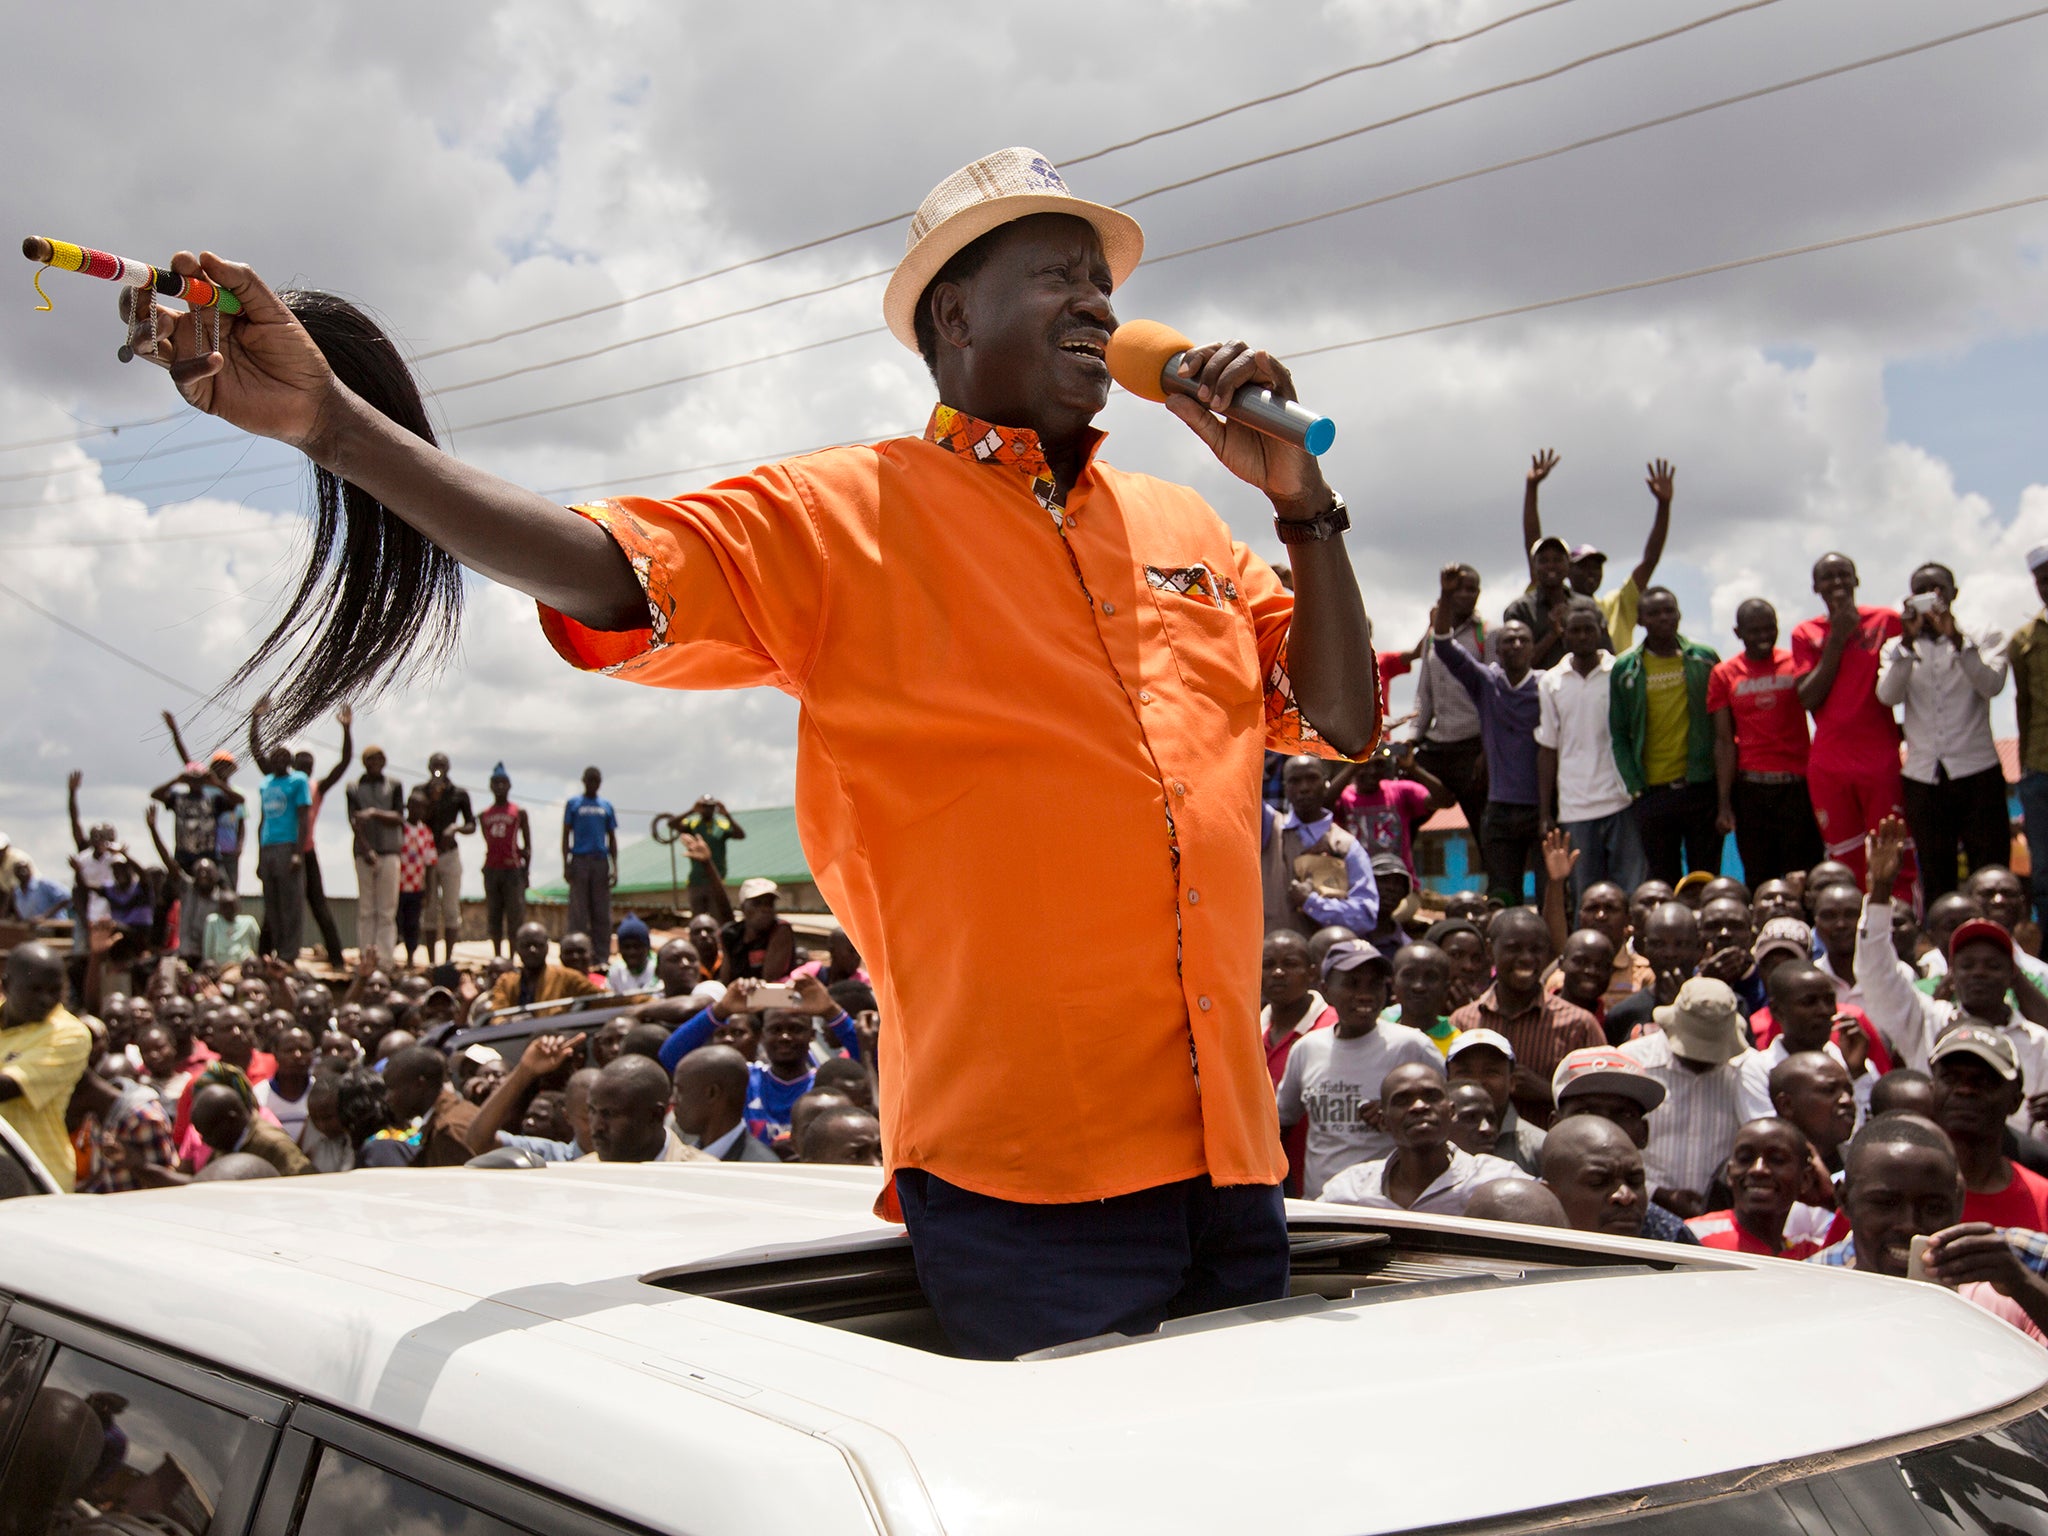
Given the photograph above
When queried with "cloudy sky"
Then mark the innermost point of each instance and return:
(467, 169)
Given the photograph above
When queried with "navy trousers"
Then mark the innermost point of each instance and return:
(1007, 1278)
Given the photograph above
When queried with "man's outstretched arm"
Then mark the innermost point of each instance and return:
(1661, 476)
(271, 380)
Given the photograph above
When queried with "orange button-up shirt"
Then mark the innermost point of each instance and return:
(1028, 769)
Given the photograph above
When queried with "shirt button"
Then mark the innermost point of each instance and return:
(1144, 697)
(1194, 898)
(1179, 788)
(1108, 607)
(1202, 1003)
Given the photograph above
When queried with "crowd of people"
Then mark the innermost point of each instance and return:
(1841, 1053)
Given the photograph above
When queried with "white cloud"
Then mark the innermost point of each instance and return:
(465, 170)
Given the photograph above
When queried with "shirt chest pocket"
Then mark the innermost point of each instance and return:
(1206, 626)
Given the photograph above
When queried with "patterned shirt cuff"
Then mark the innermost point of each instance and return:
(617, 651)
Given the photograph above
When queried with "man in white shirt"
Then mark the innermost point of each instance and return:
(1575, 767)
(1946, 677)
(1426, 1171)
(1980, 974)
(1699, 1057)
(1333, 1075)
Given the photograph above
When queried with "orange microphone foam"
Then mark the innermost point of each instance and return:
(1139, 351)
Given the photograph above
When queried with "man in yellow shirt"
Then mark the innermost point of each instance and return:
(1589, 563)
(43, 1053)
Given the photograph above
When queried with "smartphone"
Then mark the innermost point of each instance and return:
(776, 996)
(1916, 1258)
(1924, 603)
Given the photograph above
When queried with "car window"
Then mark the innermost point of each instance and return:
(1993, 1484)
(353, 1498)
(15, 1179)
(98, 1441)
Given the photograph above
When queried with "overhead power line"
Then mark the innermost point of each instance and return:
(1599, 138)
(1677, 277)
(1454, 101)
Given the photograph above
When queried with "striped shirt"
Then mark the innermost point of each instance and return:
(1692, 1130)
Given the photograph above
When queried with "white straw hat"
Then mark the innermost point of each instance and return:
(995, 190)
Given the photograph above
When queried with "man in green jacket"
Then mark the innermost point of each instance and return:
(1664, 741)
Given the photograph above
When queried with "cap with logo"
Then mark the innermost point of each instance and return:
(1580, 552)
(1987, 1045)
(1704, 1022)
(1783, 936)
(1349, 955)
(1603, 1069)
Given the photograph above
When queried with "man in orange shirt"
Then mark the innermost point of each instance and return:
(965, 619)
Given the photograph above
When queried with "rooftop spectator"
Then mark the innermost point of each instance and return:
(508, 861)
(1504, 693)
(1483, 1059)
(590, 857)
(1946, 677)
(449, 815)
(1852, 770)
(376, 808)
(1618, 607)
(710, 820)
(1446, 720)
(1760, 751)
(1664, 742)
(1697, 1053)
(759, 943)
(1576, 772)
(1332, 1078)
(1426, 1171)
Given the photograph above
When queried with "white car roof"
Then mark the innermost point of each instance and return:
(504, 1315)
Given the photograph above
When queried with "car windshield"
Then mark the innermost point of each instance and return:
(1990, 1484)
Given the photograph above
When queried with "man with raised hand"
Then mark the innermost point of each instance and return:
(1586, 563)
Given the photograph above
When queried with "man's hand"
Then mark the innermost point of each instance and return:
(345, 716)
(1298, 893)
(1439, 617)
(1660, 477)
(611, 876)
(102, 935)
(1288, 475)
(1853, 1043)
(813, 998)
(1974, 1251)
(1681, 1202)
(149, 815)
(267, 378)
(1559, 856)
(1884, 850)
(1541, 464)
(867, 1028)
(1724, 819)
(694, 848)
(74, 778)
(1843, 623)
(738, 998)
(1729, 965)
(2037, 1108)
(547, 1053)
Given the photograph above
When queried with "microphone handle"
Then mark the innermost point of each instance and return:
(1263, 411)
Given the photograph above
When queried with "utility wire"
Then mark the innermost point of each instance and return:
(1677, 277)
(1454, 101)
(1599, 138)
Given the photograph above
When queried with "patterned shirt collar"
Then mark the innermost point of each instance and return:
(1013, 448)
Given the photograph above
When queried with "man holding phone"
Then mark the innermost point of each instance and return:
(1946, 677)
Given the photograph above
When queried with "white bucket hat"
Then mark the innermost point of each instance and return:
(995, 190)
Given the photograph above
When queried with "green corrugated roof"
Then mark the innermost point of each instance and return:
(770, 848)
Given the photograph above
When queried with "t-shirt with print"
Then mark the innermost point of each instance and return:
(284, 796)
(716, 830)
(195, 810)
(770, 1101)
(1330, 1079)
(1762, 699)
(1381, 817)
(589, 818)
(500, 826)
(96, 873)
(1851, 728)
(1666, 728)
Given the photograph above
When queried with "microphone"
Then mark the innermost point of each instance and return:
(1144, 356)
